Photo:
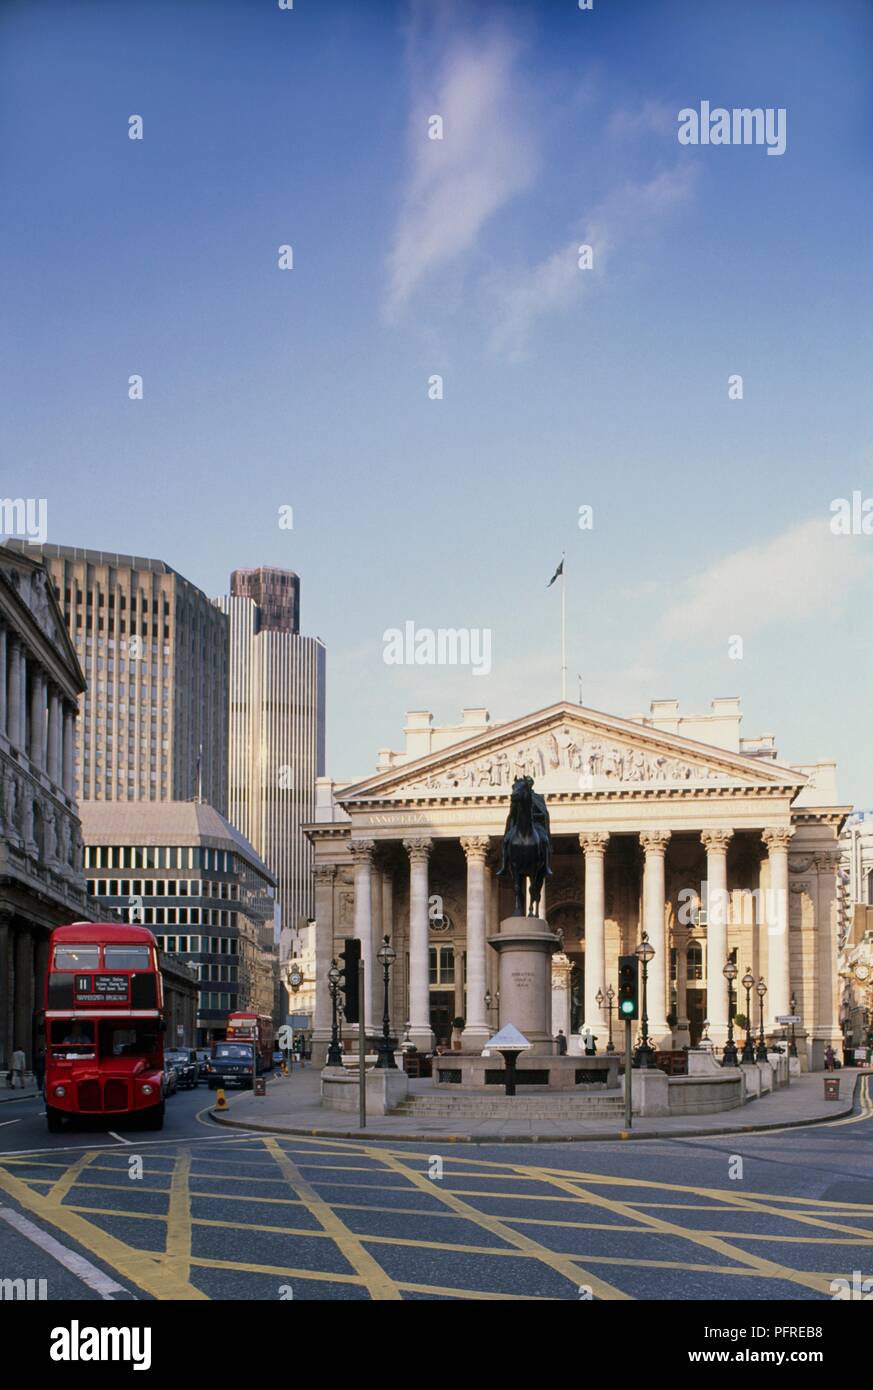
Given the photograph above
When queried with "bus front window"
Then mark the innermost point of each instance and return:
(72, 1038)
(128, 1040)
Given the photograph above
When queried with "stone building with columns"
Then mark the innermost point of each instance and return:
(41, 880)
(670, 824)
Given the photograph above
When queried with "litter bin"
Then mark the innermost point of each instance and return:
(261, 1086)
(832, 1088)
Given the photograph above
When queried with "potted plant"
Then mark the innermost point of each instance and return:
(457, 1029)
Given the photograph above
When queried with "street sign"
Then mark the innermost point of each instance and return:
(786, 1020)
(285, 1037)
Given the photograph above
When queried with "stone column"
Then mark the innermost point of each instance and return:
(54, 736)
(36, 751)
(655, 842)
(362, 855)
(476, 1030)
(716, 844)
(594, 844)
(778, 980)
(680, 942)
(23, 995)
(418, 849)
(324, 875)
(69, 757)
(6, 940)
(13, 703)
(3, 728)
(22, 676)
(376, 989)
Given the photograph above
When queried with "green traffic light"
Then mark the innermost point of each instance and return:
(627, 1006)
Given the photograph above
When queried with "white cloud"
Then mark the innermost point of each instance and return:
(557, 284)
(457, 183)
(797, 574)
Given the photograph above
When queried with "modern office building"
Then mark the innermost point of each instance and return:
(276, 592)
(276, 732)
(186, 873)
(154, 652)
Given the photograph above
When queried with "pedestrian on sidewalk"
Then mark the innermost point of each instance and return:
(562, 1043)
(18, 1063)
(830, 1059)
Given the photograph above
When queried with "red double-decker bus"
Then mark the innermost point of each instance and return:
(256, 1028)
(104, 1025)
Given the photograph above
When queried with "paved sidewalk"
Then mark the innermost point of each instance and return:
(30, 1092)
(292, 1105)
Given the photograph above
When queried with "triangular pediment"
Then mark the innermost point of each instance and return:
(568, 748)
(31, 601)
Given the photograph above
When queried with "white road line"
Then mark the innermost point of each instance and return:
(76, 1264)
(149, 1143)
(9, 1122)
(118, 1137)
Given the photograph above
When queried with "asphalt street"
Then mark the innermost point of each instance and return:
(200, 1212)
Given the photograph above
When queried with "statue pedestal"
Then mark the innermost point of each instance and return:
(525, 947)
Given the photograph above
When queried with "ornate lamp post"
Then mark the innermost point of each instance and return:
(792, 1046)
(334, 1055)
(761, 990)
(748, 982)
(729, 1051)
(607, 999)
(387, 955)
(645, 1053)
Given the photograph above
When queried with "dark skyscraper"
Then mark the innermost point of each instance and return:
(275, 591)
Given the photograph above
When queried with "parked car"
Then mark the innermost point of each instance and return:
(231, 1064)
(170, 1083)
(184, 1059)
(203, 1055)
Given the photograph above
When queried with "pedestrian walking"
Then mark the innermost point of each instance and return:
(830, 1058)
(39, 1069)
(562, 1043)
(18, 1065)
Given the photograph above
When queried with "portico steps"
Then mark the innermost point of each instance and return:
(479, 1106)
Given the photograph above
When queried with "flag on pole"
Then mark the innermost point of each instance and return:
(558, 571)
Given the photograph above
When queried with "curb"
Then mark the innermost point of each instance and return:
(598, 1137)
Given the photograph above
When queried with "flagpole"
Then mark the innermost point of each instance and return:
(563, 631)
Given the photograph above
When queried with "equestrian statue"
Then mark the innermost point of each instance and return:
(527, 845)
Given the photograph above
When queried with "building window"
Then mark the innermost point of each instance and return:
(442, 965)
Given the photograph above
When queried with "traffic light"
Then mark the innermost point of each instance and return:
(628, 987)
(350, 960)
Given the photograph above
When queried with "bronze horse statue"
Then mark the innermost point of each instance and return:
(527, 844)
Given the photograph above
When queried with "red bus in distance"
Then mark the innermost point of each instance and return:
(256, 1028)
(104, 1025)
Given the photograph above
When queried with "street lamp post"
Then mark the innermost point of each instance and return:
(385, 1061)
(334, 1055)
(792, 1047)
(748, 982)
(608, 999)
(645, 1053)
(729, 1051)
(761, 990)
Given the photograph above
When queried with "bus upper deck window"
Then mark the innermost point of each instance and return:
(77, 958)
(127, 957)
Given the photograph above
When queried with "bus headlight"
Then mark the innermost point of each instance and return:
(147, 1089)
(60, 1090)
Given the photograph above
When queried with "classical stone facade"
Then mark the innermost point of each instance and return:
(41, 880)
(712, 847)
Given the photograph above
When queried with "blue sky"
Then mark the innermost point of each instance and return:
(562, 387)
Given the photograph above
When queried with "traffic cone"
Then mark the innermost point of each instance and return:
(284, 1068)
(220, 1099)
